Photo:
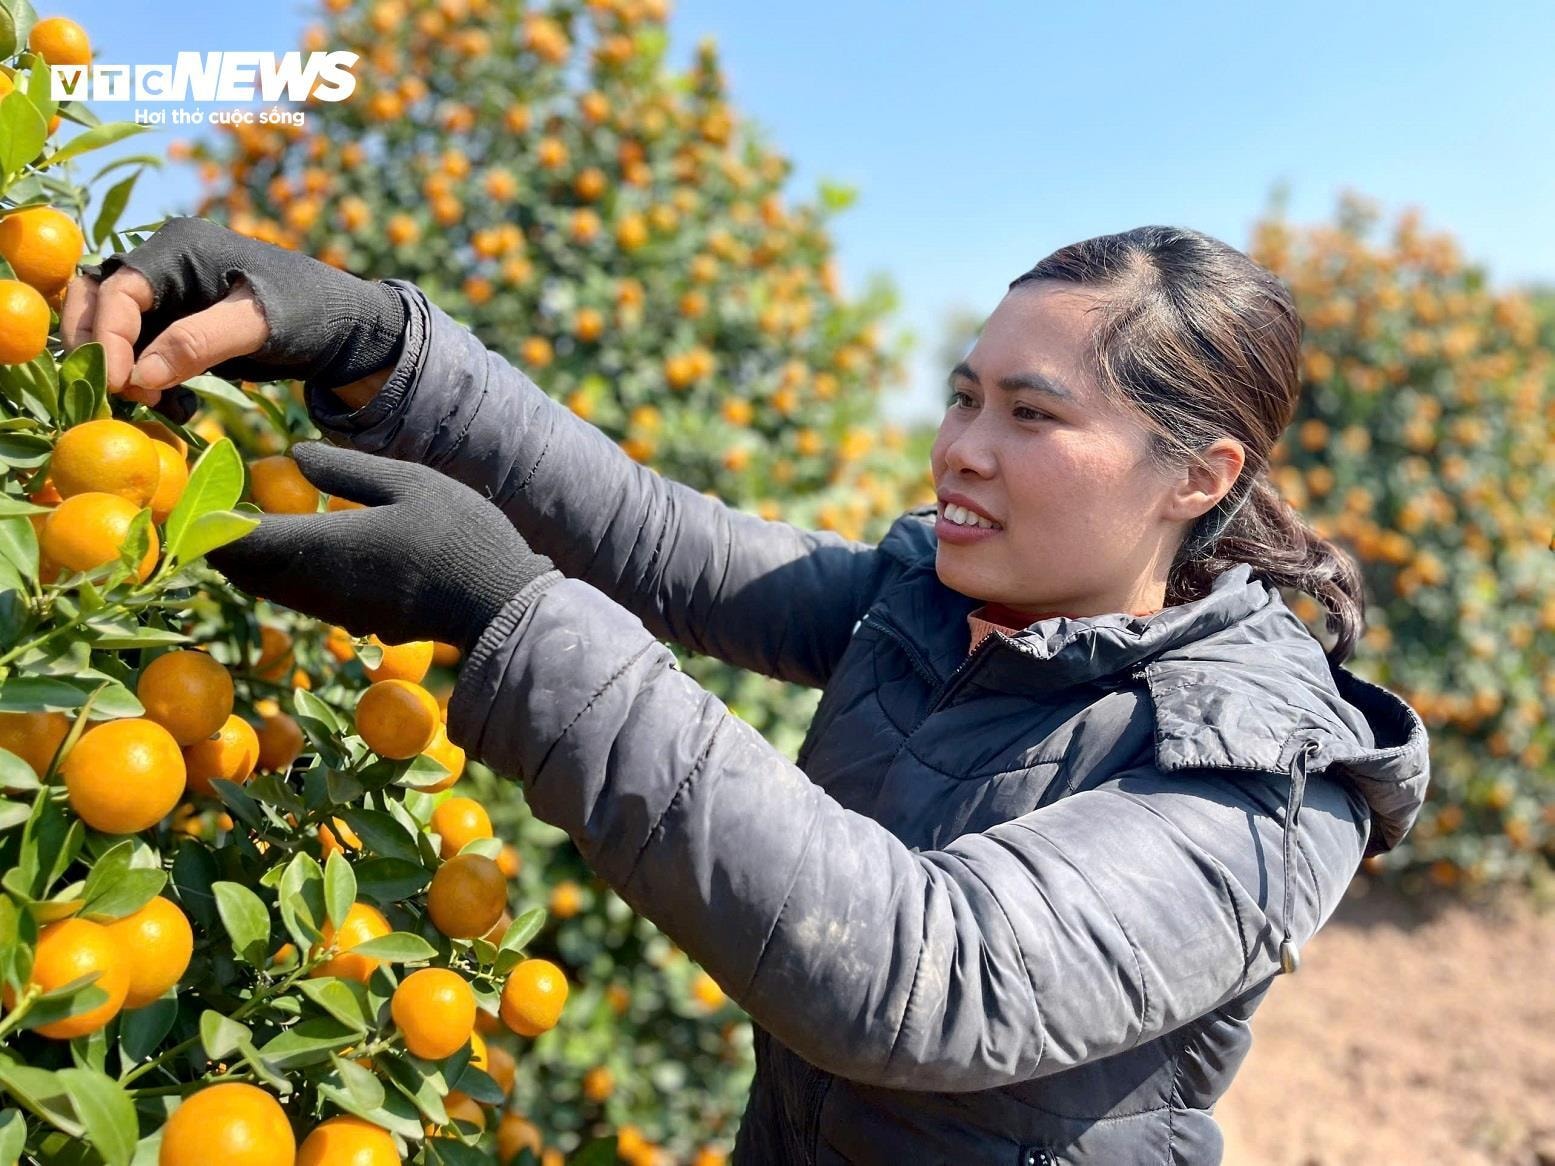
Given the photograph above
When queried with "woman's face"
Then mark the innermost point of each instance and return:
(1088, 525)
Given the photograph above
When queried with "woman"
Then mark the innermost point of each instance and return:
(1080, 785)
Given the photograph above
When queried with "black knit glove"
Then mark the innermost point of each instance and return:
(429, 559)
(326, 326)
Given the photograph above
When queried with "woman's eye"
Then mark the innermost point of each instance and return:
(1030, 413)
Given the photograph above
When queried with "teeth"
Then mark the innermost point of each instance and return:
(964, 517)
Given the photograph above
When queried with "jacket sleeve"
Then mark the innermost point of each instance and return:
(766, 596)
(1074, 932)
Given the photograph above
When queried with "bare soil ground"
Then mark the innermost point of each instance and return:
(1413, 1032)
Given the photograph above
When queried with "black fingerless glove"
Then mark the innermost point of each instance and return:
(429, 559)
(327, 326)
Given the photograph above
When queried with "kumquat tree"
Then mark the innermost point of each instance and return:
(1422, 446)
(246, 916)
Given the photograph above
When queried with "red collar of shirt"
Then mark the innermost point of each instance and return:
(992, 617)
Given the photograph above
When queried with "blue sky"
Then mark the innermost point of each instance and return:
(983, 135)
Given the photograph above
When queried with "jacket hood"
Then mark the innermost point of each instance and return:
(1235, 679)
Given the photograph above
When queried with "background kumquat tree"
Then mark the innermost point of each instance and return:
(1422, 446)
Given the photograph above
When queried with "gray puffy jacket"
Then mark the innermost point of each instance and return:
(1010, 908)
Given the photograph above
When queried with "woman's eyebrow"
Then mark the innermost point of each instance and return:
(1034, 381)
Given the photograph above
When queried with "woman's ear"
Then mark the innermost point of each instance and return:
(1203, 487)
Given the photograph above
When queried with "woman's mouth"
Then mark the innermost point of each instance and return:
(956, 524)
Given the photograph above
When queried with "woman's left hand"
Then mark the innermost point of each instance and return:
(427, 559)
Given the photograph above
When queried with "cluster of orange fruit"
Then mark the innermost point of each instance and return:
(101, 475)
(41, 244)
(241, 1116)
(138, 958)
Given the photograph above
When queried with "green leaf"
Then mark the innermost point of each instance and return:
(453, 1153)
(216, 389)
(326, 714)
(418, 1080)
(50, 843)
(339, 887)
(19, 546)
(11, 507)
(93, 139)
(301, 898)
(13, 814)
(106, 1112)
(112, 700)
(235, 797)
(345, 1000)
(137, 540)
(221, 1036)
(194, 873)
(81, 994)
(9, 43)
(109, 865)
(64, 658)
(485, 847)
(25, 694)
(23, 130)
(113, 206)
(365, 1096)
(40, 88)
(16, 937)
(42, 1092)
(24, 451)
(263, 1069)
(478, 1085)
(87, 363)
(272, 790)
(522, 930)
(396, 947)
(142, 1029)
(150, 160)
(124, 635)
(213, 530)
(17, 775)
(215, 484)
(21, 384)
(389, 880)
(360, 1082)
(114, 890)
(424, 771)
(308, 1043)
(247, 921)
(13, 1125)
(382, 834)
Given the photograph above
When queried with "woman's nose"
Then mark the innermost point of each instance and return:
(969, 449)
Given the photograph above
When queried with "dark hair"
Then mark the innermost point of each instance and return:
(1203, 343)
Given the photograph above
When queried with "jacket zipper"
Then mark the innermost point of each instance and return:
(921, 665)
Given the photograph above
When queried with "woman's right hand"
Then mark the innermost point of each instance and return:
(197, 296)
